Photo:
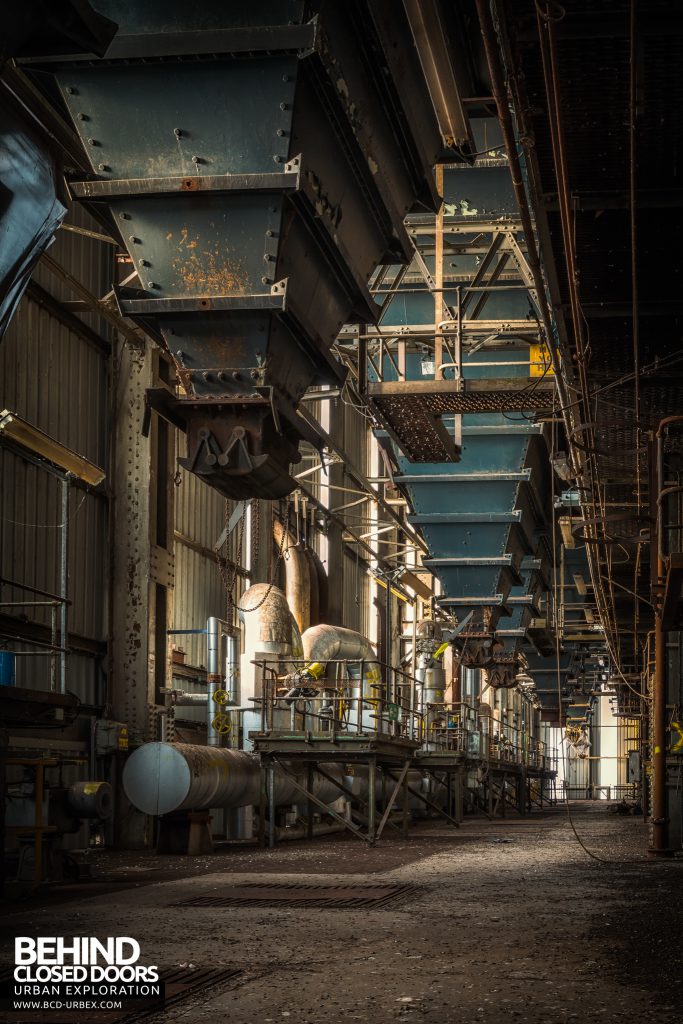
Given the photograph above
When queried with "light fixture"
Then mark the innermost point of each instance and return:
(36, 441)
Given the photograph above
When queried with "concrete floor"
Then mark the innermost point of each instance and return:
(512, 920)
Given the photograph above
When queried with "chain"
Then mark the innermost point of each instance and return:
(229, 576)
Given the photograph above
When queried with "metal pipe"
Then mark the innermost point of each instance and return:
(191, 700)
(508, 133)
(323, 587)
(659, 818)
(232, 665)
(314, 593)
(214, 680)
(161, 778)
(64, 584)
(659, 695)
(270, 627)
(323, 643)
(297, 576)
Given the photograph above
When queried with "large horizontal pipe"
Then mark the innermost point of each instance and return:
(160, 778)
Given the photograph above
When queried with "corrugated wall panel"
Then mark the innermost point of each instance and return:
(199, 591)
(54, 379)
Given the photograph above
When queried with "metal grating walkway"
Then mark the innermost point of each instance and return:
(336, 897)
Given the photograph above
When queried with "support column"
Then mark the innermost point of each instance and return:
(335, 547)
(372, 799)
(309, 802)
(263, 804)
(142, 564)
(271, 804)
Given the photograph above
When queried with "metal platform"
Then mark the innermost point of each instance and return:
(412, 409)
(326, 746)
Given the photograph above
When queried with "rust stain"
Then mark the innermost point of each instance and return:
(211, 271)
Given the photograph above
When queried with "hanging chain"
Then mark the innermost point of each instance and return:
(229, 576)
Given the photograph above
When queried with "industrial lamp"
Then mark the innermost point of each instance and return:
(32, 439)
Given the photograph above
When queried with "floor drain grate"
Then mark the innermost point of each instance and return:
(180, 984)
(338, 897)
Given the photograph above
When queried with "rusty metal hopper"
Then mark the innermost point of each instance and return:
(257, 161)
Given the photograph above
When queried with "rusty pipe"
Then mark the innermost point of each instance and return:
(507, 129)
(323, 587)
(297, 576)
(662, 426)
(313, 583)
(659, 820)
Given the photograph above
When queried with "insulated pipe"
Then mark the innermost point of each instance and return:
(323, 643)
(269, 626)
(189, 700)
(161, 778)
(297, 576)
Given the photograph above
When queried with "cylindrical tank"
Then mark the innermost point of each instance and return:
(160, 778)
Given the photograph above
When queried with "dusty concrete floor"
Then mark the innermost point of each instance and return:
(512, 921)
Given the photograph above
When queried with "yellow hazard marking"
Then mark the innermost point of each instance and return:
(676, 745)
(540, 363)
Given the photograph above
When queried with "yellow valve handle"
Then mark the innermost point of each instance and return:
(440, 650)
(221, 723)
(221, 697)
(315, 670)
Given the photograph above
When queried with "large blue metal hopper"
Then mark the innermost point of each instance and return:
(257, 161)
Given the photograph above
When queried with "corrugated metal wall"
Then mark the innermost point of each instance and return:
(199, 590)
(58, 381)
